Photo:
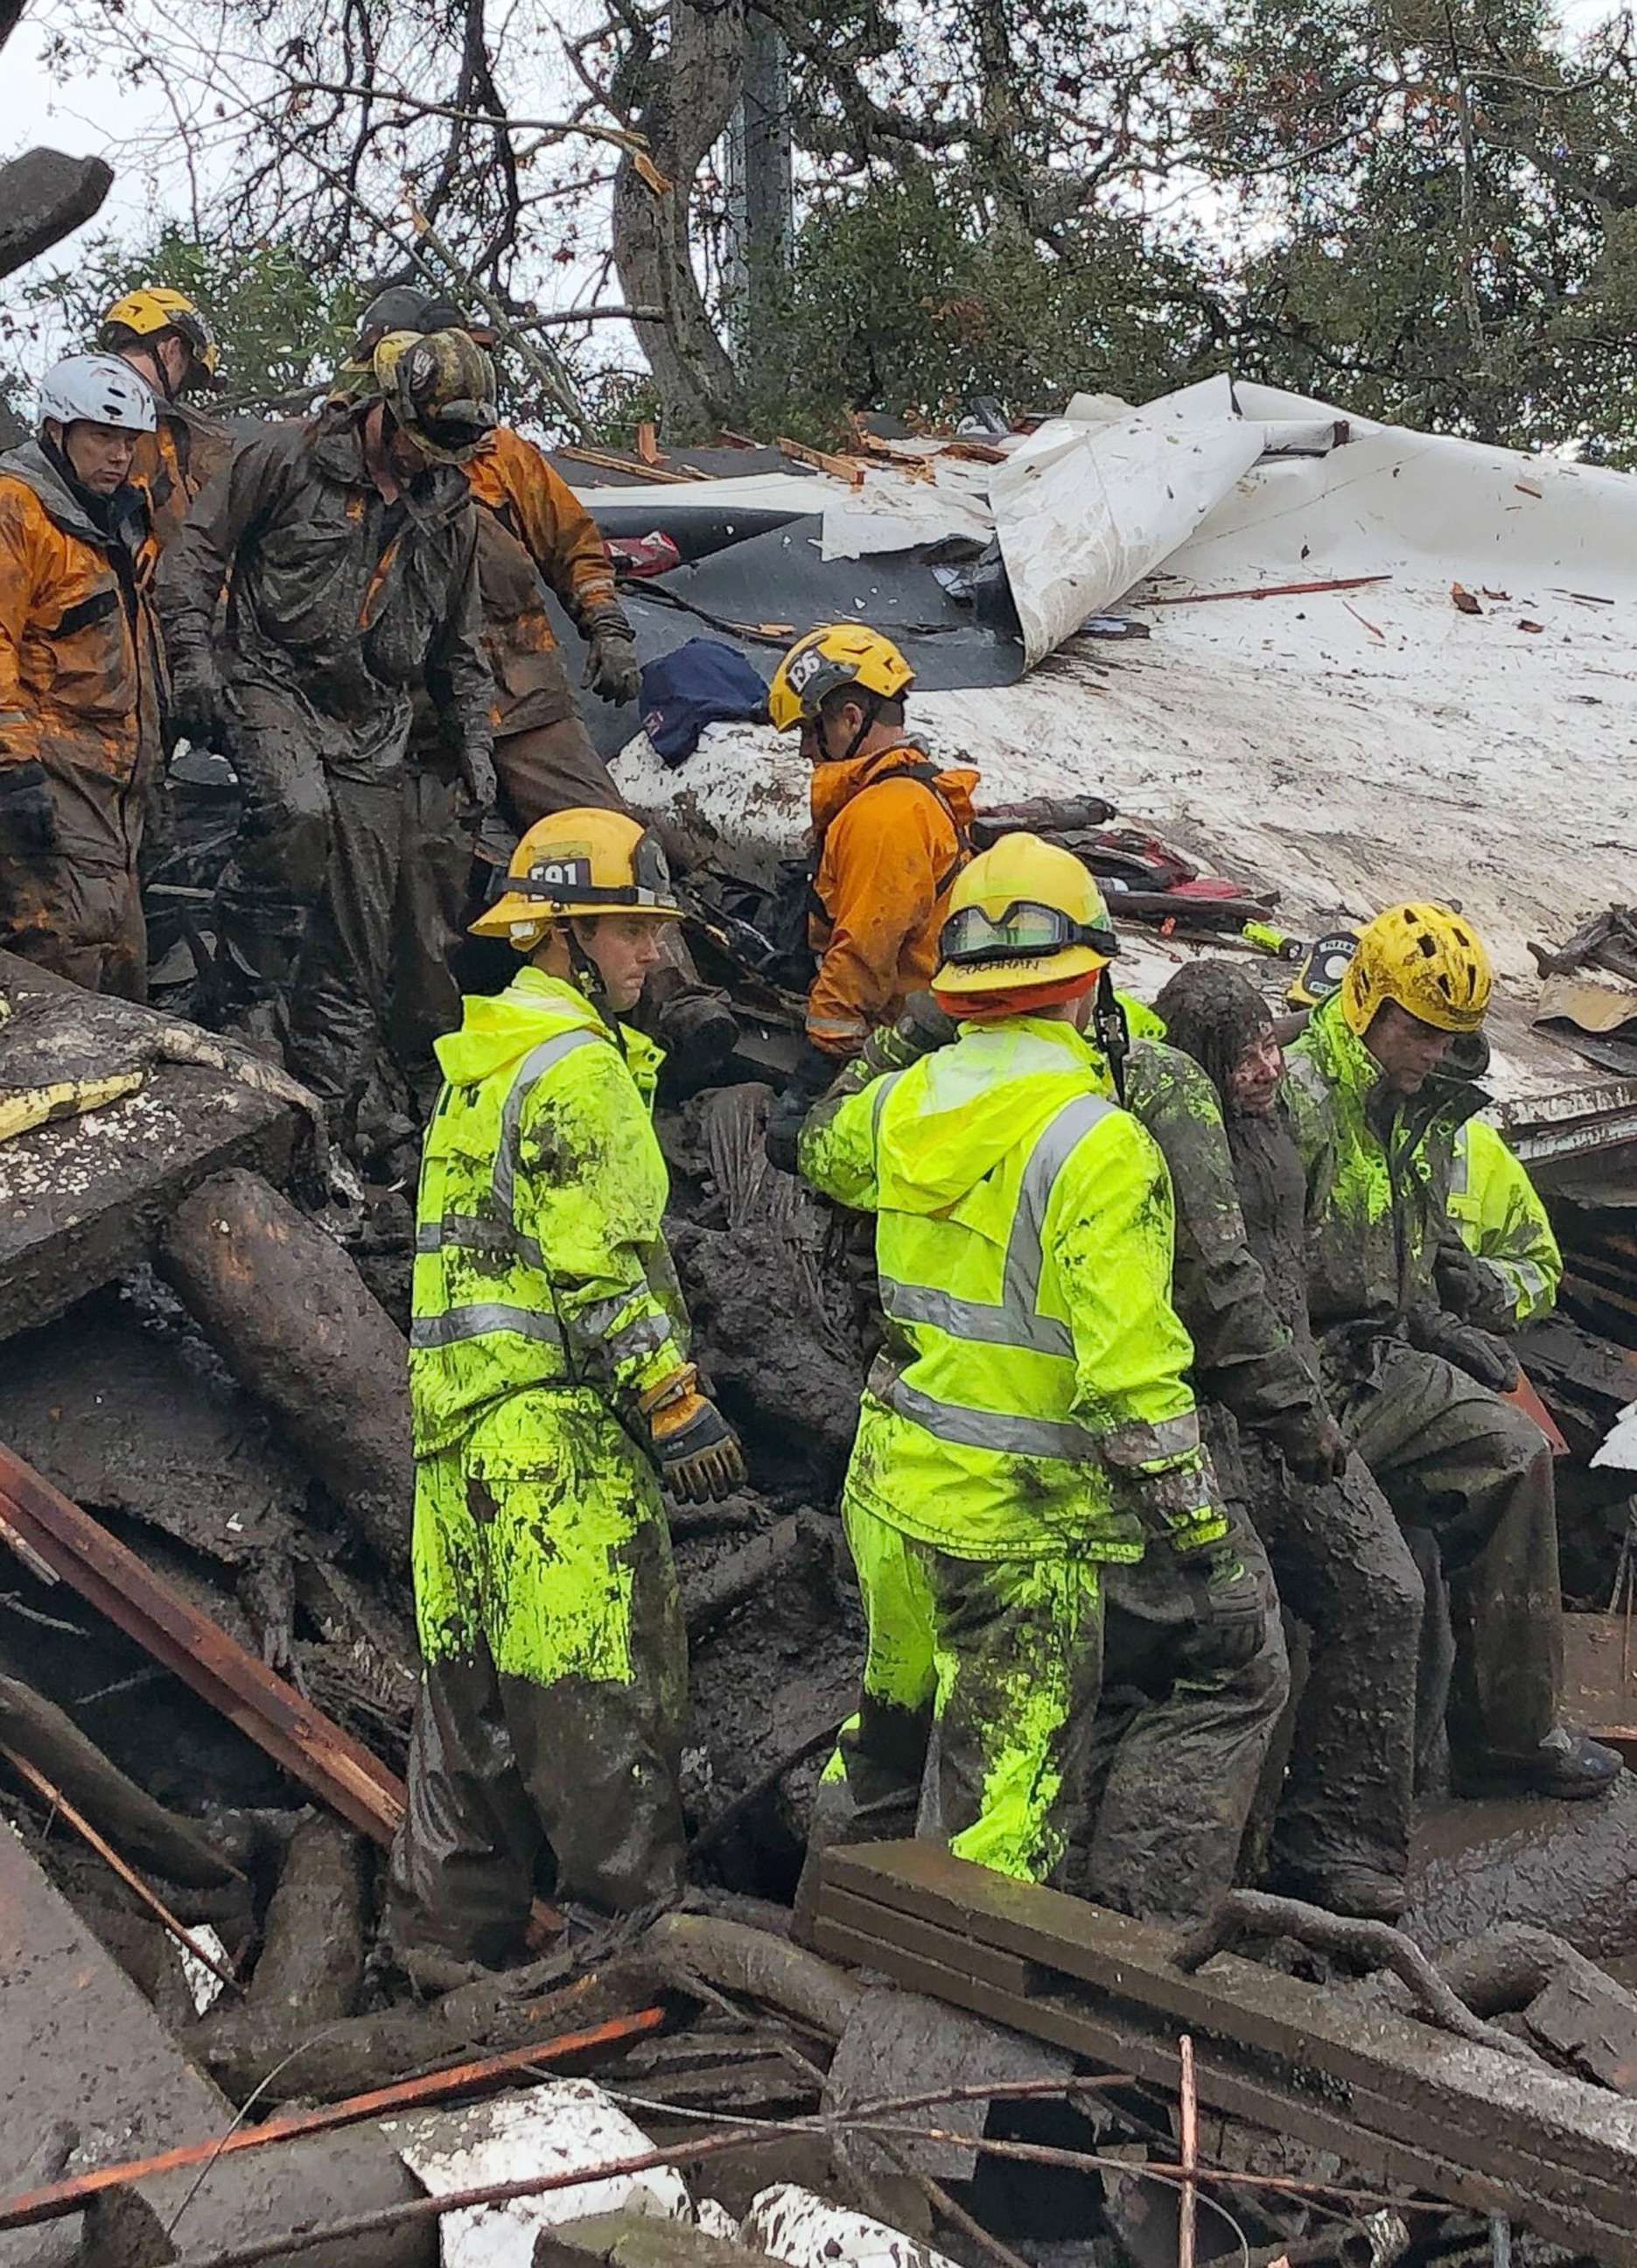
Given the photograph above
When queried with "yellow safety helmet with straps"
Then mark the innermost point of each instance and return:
(583, 861)
(1023, 913)
(826, 660)
(1427, 958)
(439, 386)
(154, 308)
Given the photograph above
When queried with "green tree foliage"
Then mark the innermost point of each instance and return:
(282, 327)
(903, 298)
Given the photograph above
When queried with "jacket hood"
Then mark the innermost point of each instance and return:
(972, 1104)
(29, 463)
(834, 785)
(496, 1032)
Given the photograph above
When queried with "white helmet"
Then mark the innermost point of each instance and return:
(98, 388)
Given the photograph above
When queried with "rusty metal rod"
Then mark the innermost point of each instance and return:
(110, 1857)
(62, 2197)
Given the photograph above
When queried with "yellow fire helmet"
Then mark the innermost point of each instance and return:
(439, 386)
(1428, 960)
(1023, 913)
(835, 655)
(583, 861)
(144, 314)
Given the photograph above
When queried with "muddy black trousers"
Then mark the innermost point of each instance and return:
(1343, 1569)
(1451, 1457)
(1178, 1747)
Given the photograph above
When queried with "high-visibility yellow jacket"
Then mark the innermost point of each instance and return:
(1031, 1398)
(540, 1258)
(1498, 1211)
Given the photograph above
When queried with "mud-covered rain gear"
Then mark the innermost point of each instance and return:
(1497, 1210)
(81, 697)
(1026, 1422)
(544, 1312)
(175, 462)
(339, 606)
(890, 831)
(1448, 1452)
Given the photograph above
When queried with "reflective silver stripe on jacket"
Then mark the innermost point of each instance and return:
(482, 1316)
(467, 1232)
(981, 1429)
(533, 1068)
(1141, 1445)
(1016, 1321)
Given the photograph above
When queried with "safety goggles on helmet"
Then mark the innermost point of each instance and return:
(566, 881)
(974, 938)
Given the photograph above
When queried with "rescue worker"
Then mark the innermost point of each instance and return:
(82, 684)
(1211, 1100)
(533, 530)
(347, 546)
(552, 1397)
(168, 342)
(1028, 1424)
(890, 833)
(1500, 1218)
(1416, 1389)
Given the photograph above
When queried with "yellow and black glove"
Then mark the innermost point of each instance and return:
(697, 1451)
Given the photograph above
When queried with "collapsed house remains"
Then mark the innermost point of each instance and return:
(1261, 666)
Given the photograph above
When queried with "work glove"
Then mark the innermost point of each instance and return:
(1480, 1354)
(921, 1029)
(699, 1456)
(28, 816)
(199, 712)
(1470, 1289)
(1312, 1444)
(478, 784)
(1231, 1617)
(812, 1075)
(612, 669)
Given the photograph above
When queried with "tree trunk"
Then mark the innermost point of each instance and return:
(683, 102)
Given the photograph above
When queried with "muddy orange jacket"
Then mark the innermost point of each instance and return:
(174, 462)
(533, 526)
(81, 680)
(889, 845)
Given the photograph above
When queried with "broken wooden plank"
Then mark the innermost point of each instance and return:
(83, 1198)
(1382, 2091)
(337, 1769)
(607, 461)
(822, 461)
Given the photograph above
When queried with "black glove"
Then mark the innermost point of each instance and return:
(1471, 1290)
(478, 784)
(1313, 1446)
(28, 816)
(921, 1029)
(199, 712)
(1482, 1355)
(612, 669)
(1231, 1617)
(698, 1451)
(785, 1120)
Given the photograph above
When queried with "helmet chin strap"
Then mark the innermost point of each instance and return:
(1108, 1022)
(590, 980)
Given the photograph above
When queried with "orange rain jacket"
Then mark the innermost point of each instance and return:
(174, 462)
(81, 678)
(892, 834)
(532, 525)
